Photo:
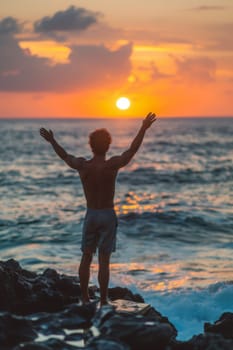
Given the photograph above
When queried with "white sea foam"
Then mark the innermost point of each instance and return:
(189, 309)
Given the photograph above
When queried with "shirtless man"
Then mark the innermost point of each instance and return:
(98, 177)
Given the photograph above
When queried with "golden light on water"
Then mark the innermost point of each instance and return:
(162, 277)
(174, 281)
(137, 203)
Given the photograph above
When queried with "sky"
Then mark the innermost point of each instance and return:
(76, 58)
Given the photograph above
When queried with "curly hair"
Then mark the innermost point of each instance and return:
(100, 141)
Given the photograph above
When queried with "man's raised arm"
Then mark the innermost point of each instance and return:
(70, 160)
(124, 158)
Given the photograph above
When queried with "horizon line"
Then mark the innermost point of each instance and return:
(111, 117)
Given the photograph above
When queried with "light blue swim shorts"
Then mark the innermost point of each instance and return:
(99, 230)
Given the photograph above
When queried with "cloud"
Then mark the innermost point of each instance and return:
(221, 37)
(89, 66)
(209, 8)
(156, 74)
(9, 25)
(72, 19)
(196, 69)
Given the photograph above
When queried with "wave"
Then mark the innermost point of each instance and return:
(189, 309)
(176, 225)
(192, 145)
(150, 175)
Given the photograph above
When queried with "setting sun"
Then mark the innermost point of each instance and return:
(123, 103)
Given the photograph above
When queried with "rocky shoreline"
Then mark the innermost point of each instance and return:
(43, 312)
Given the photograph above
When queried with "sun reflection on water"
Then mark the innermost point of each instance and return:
(133, 202)
(163, 277)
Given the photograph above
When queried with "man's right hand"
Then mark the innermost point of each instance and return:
(47, 135)
(150, 119)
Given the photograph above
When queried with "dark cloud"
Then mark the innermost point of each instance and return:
(196, 69)
(9, 25)
(209, 8)
(72, 19)
(154, 73)
(88, 66)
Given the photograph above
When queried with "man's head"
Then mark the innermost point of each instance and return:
(99, 141)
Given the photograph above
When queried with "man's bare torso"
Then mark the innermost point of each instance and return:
(98, 180)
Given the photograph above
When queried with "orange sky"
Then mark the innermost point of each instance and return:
(59, 59)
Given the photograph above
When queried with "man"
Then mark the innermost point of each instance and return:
(98, 177)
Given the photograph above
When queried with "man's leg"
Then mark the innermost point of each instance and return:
(84, 274)
(103, 277)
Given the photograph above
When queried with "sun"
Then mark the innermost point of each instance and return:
(123, 103)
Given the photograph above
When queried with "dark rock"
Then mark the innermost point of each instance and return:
(223, 326)
(107, 343)
(102, 315)
(15, 329)
(75, 337)
(180, 345)
(76, 316)
(51, 344)
(124, 293)
(208, 342)
(138, 332)
(72, 317)
(68, 285)
(101, 343)
(12, 265)
(23, 292)
(32, 346)
(51, 274)
(48, 306)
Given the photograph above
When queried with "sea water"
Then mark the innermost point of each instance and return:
(174, 203)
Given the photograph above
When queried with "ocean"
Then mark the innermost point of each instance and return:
(174, 203)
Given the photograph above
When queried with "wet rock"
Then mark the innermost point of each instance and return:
(72, 317)
(32, 346)
(138, 332)
(107, 343)
(102, 315)
(51, 318)
(15, 329)
(124, 293)
(74, 337)
(23, 292)
(51, 344)
(209, 342)
(223, 326)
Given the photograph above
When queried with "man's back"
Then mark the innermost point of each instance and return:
(98, 180)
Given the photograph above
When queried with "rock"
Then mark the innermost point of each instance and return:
(223, 326)
(107, 343)
(23, 292)
(124, 293)
(51, 344)
(72, 317)
(55, 344)
(36, 307)
(32, 346)
(208, 342)
(138, 332)
(15, 329)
